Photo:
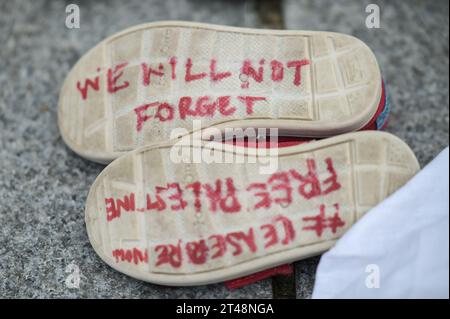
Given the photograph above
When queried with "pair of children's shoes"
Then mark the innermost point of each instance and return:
(187, 201)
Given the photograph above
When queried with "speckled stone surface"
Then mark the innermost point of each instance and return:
(43, 185)
(411, 46)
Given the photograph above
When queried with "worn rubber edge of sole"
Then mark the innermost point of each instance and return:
(259, 263)
(287, 126)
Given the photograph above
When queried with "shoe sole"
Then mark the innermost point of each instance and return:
(313, 84)
(183, 239)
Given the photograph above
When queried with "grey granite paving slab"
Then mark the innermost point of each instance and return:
(411, 46)
(43, 185)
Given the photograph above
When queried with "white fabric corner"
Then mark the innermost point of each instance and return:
(399, 249)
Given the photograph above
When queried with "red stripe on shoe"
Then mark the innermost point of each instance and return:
(286, 269)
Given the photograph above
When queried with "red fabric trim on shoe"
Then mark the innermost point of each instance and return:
(283, 141)
(244, 281)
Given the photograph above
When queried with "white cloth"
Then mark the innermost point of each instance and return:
(399, 249)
